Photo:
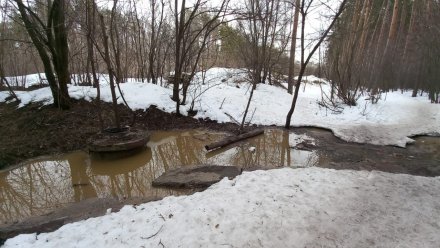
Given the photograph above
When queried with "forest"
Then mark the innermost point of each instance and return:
(219, 123)
(374, 46)
(360, 51)
(386, 45)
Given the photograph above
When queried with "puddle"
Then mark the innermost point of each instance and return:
(430, 146)
(45, 184)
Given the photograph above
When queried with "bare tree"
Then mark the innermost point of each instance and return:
(262, 23)
(91, 30)
(190, 41)
(156, 28)
(3, 79)
(110, 70)
(50, 39)
(304, 10)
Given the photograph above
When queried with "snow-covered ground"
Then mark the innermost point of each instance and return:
(389, 122)
(27, 81)
(310, 207)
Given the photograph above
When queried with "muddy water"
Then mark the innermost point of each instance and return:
(428, 145)
(48, 183)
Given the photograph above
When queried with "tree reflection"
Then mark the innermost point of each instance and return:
(41, 186)
(271, 150)
(179, 150)
(79, 177)
(34, 189)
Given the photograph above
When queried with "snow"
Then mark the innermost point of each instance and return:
(223, 96)
(311, 207)
(295, 139)
(27, 81)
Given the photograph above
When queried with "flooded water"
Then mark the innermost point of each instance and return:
(428, 145)
(48, 183)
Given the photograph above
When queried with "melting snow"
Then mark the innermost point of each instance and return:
(310, 207)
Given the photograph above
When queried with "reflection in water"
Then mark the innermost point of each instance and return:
(32, 189)
(273, 149)
(46, 184)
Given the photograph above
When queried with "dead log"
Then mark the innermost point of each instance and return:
(233, 139)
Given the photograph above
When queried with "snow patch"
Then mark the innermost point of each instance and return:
(310, 207)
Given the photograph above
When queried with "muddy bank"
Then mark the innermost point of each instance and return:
(421, 158)
(36, 130)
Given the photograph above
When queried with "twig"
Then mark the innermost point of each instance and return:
(149, 237)
(160, 243)
(232, 118)
(221, 106)
(161, 216)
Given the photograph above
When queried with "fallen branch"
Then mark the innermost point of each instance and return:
(11, 91)
(232, 118)
(230, 140)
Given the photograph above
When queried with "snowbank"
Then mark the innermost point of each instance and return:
(221, 95)
(311, 207)
(27, 81)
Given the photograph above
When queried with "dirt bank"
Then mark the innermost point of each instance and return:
(421, 158)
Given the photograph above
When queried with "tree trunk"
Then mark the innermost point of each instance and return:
(91, 10)
(110, 73)
(152, 52)
(365, 22)
(291, 76)
(393, 27)
(179, 26)
(62, 52)
(11, 91)
(51, 45)
(304, 62)
(412, 29)
(247, 108)
(378, 54)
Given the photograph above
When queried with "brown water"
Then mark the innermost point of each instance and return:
(428, 145)
(428, 150)
(48, 183)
